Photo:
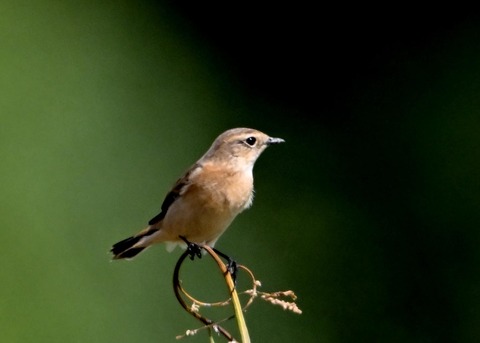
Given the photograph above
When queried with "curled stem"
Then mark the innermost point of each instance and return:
(177, 289)
(284, 299)
(233, 293)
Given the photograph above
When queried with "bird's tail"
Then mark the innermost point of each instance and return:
(131, 246)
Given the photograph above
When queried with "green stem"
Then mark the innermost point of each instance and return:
(242, 326)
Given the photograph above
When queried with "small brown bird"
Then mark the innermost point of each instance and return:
(203, 203)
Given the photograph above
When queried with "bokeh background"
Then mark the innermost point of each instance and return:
(369, 212)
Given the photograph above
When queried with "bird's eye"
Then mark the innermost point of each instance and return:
(251, 141)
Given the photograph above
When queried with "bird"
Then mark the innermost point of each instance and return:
(206, 199)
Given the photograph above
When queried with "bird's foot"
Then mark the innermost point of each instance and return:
(232, 269)
(193, 249)
(232, 266)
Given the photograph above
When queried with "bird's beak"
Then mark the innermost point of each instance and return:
(272, 140)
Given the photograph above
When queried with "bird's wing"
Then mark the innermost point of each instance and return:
(176, 191)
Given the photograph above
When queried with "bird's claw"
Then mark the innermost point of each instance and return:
(232, 268)
(193, 249)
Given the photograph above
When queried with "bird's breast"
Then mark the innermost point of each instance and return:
(228, 192)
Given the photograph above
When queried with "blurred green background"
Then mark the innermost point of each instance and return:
(369, 212)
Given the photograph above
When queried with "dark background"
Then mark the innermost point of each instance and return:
(369, 212)
(396, 94)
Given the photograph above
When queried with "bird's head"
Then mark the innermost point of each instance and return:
(240, 146)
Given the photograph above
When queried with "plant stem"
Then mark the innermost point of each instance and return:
(242, 326)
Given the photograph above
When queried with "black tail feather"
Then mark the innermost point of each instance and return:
(123, 245)
(123, 249)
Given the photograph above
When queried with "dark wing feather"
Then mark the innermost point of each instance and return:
(169, 199)
(173, 195)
